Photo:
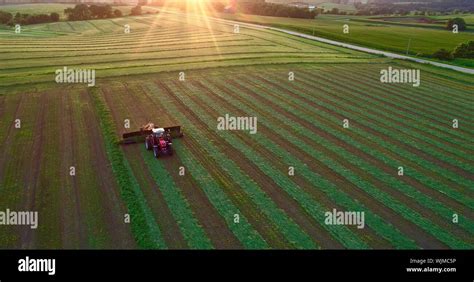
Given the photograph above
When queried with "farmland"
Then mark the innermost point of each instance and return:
(420, 39)
(59, 8)
(236, 191)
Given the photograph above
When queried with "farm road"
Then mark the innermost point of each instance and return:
(336, 43)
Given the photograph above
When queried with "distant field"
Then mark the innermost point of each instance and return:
(342, 7)
(36, 8)
(469, 18)
(53, 8)
(228, 173)
(365, 32)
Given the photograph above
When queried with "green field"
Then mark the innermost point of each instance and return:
(59, 8)
(228, 174)
(425, 39)
(327, 6)
(469, 18)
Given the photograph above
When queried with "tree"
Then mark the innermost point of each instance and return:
(78, 13)
(101, 11)
(54, 17)
(464, 50)
(117, 13)
(136, 11)
(5, 17)
(443, 54)
(456, 21)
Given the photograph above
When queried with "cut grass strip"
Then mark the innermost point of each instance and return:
(285, 225)
(426, 201)
(383, 197)
(379, 225)
(178, 205)
(349, 239)
(146, 231)
(367, 120)
(362, 91)
(249, 238)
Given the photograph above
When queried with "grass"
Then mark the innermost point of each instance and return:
(47, 8)
(282, 222)
(144, 227)
(192, 231)
(299, 124)
(424, 39)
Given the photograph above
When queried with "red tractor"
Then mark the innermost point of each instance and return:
(157, 138)
(160, 142)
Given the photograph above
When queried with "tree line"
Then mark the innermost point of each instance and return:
(25, 19)
(463, 50)
(78, 13)
(87, 12)
(382, 7)
(276, 10)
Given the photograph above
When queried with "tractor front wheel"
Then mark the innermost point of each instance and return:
(156, 152)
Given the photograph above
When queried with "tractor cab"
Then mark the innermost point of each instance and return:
(158, 132)
(159, 141)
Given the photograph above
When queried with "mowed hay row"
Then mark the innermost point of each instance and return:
(151, 111)
(318, 83)
(410, 103)
(242, 182)
(125, 51)
(168, 56)
(291, 188)
(366, 118)
(375, 155)
(74, 210)
(236, 191)
(345, 155)
(338, 123)
(446, 213)
(163, 195)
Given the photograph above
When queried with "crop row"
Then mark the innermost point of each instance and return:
(298, 238)
(439, 88)
(144, 227)
(226, 208)
(243, 230)
(313, 208)
(390, 97)
(190, 228)
(367, 149)
(361, 183)
(367, 119)
(437, 96)
(379, 225)
(367, 167)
